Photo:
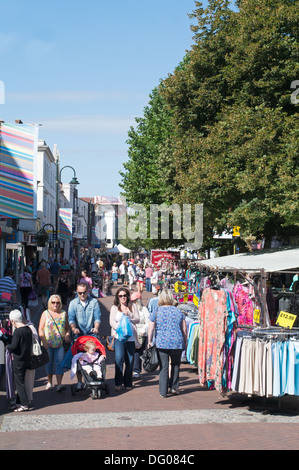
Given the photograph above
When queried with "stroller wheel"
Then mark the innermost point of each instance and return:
(94, 394)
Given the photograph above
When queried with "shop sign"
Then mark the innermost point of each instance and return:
(286, 320)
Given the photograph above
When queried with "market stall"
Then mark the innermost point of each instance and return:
(236, 342)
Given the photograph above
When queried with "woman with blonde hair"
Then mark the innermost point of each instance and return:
(171, 339)
(53, 329)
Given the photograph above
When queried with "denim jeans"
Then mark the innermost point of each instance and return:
(148, 284)
(54, 366)
(165, 381)
(124, 355)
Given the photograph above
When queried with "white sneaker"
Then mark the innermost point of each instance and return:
(136, 374)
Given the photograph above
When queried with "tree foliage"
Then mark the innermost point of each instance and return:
(221, 129)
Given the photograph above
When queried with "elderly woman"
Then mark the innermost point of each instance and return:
(53, 329)
(171, 339)
(21, 350)
(124, 351)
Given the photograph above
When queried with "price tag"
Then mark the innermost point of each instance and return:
(286, 320)
(256, 316)
(195, 300)
(185, 298)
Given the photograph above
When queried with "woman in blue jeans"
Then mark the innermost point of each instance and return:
(171, 339)
(124, 352)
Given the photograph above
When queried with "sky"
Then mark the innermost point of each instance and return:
(84, 71)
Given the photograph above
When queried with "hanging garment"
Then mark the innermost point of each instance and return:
(213, 319)
(244, 303)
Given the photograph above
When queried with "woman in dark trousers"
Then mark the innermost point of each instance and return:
(21, 349)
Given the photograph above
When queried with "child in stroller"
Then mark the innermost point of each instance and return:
(89, 358)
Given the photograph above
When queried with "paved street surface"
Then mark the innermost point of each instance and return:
(197, 419)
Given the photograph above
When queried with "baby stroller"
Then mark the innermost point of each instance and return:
(90, 382)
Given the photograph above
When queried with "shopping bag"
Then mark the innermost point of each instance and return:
(150, 359)
(124, 329)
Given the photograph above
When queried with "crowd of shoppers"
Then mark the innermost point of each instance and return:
(64, 319)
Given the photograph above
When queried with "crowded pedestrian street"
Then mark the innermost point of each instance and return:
(149, 228)
(140, 419)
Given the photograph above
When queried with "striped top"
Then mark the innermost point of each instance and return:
(7, 284)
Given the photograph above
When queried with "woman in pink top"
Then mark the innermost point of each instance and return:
(87, 280)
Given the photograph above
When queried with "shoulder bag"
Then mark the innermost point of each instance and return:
(110, 342)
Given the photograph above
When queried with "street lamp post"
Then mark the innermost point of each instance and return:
(74, 182)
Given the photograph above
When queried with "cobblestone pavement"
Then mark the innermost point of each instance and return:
(197, 419)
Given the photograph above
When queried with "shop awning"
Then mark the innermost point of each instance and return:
(271, 261)
(123, 249)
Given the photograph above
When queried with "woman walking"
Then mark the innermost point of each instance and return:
(171, 339)
(142, 328)
(53, 329)
(124, 351)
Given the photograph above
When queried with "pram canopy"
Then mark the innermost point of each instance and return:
(78, 345)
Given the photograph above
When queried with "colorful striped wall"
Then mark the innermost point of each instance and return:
(18, 158)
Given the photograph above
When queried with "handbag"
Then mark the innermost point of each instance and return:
(110, 342)
(150, 359)
(38, 361)
(66, 345)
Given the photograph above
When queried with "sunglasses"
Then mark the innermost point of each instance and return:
(55, 302)
(82, 293)
(122, 295)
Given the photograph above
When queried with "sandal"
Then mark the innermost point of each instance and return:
(21, 409)
(12, 407)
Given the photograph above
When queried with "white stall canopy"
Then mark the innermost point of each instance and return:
(285, 259)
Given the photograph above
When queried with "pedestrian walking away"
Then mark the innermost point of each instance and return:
(43, 279)
(26, 286)
(171, 339)
(8, 287)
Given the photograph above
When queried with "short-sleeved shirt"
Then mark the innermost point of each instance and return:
(168, 327)
(7, 284)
